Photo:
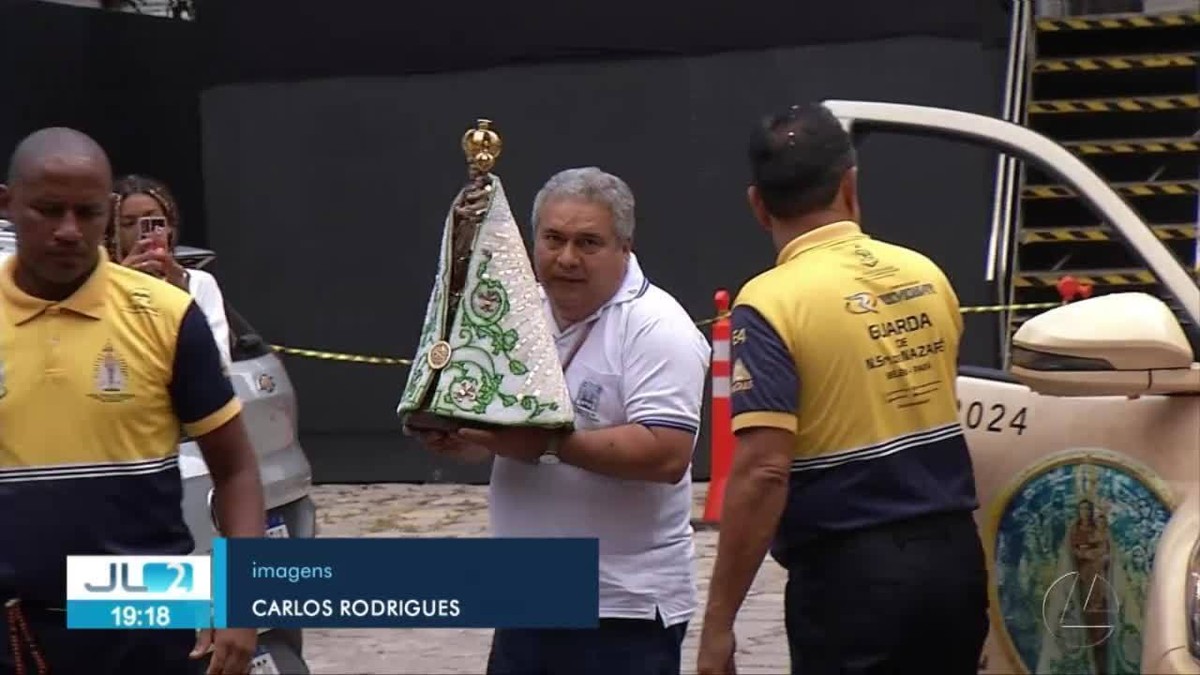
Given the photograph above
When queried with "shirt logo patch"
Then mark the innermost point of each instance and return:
(111, 375)
(874, 272)
(587, 403)
(741, 379)
(906, 293)
(141, 302)
(861, 303)
(865, 257)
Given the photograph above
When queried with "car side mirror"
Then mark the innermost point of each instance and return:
(249, 341)
(1121, 344)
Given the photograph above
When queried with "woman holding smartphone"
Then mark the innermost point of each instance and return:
(143, 234)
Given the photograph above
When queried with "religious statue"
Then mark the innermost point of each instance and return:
(1091, 555)
(486, 356)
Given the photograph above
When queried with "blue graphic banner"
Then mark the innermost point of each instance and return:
(406, 583)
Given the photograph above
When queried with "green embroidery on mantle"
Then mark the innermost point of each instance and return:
(434, 315)
(476, 380)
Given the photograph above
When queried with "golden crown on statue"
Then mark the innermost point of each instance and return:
(482, 146)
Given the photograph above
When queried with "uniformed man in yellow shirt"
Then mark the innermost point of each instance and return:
(101, 366)
(849, 451)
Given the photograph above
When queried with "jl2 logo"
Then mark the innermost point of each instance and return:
(156, 578)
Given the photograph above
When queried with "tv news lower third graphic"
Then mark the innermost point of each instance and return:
(139, 592)
(343, 583)
(406, 583)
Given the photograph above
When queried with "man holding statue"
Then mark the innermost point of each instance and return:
(586, 386)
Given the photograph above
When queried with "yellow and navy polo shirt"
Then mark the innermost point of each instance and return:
(852, 344)
(93, 393)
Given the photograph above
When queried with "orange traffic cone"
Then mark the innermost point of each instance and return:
(721, 423)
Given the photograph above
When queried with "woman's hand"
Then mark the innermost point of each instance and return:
(148, 256)
(175, 274)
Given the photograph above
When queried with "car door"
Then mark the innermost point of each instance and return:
(1074, 492)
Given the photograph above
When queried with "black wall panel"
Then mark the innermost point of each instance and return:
(329, 151)
(277, 40)
(327, 197)
(129, 81)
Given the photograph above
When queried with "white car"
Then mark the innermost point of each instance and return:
(1087, 453)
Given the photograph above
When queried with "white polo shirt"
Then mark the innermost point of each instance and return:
(644, 362)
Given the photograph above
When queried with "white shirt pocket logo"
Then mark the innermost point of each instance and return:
(587, 403)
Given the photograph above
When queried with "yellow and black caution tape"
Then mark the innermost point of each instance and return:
(1173, 188)
(1097, 63)
(1095, 105)
(1169, 232)
(991, 309)
(1134, 146)
(338, 356)
(1048, 234)
(1047, 192)
(1118, 277)
(393, 361)
(1117, 22)
(1096, 233)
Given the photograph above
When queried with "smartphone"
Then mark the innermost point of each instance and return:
(153, 227)
(149, 225)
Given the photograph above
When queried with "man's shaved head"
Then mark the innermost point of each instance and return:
(58, 197)
(54, 143)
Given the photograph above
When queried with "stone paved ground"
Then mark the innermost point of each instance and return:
(460, 510)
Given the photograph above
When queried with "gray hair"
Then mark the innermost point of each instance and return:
(591, 184)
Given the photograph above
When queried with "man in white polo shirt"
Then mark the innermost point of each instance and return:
(635, 365)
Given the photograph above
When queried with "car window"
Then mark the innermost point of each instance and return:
(934, 195)
(244, 342)
(1057, 234)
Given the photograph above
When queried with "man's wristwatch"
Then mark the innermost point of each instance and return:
(550, 455)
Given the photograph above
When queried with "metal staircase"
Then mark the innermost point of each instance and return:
(1123, 93)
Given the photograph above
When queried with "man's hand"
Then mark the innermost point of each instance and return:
(524, 444)
(449, 444)
(232, 649)
(716, 652)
